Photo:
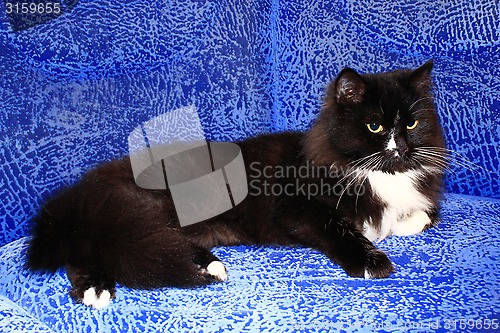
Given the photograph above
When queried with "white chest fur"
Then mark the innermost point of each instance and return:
(405, 205)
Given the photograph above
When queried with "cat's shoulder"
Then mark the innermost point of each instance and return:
(273, 145)
(273, 140)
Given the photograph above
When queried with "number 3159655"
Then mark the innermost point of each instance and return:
(33, 8)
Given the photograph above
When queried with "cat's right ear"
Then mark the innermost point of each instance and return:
(350, 87)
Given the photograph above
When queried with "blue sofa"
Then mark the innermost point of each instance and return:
(73, 88)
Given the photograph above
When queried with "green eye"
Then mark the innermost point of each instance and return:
(412, 124)
(375, 127)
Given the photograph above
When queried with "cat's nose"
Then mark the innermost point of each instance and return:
(396, 146)
(398, 151)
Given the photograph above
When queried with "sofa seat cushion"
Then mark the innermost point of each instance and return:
(446, 273)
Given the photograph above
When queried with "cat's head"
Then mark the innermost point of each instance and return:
(385, 122)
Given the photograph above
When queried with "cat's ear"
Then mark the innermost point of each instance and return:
(420, 78)
(350, 87)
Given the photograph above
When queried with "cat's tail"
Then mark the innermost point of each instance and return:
(51, 236)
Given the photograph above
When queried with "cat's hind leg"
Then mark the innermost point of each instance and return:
(90, 287)
(209, 266)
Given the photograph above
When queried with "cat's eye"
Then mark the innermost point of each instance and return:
(412, 124)
(375, 127)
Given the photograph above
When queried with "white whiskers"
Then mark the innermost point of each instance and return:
(358, 172)
(430, 160)
(417, 101)
(445, 158)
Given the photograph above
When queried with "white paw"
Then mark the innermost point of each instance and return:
(411, 225)
(367, 274)
(217, 270)
(90, 298)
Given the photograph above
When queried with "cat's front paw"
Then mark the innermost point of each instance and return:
(435, 219)
(377, 265)
(371, 264)
(413, 224)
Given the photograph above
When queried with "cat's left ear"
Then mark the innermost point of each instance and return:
(350, 87)
(420, 78)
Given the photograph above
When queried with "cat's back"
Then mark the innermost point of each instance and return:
(274, 149)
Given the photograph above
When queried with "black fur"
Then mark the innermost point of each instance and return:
(107, 230)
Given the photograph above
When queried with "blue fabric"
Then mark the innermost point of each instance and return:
(449, 272)
(15, 319)
(72, 90)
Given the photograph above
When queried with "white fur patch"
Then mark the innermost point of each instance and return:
(90, 298)
(398, 190)
(367, 274)
(218, 270)
(399, 193)
(411, 225)
(391, 144)
(369, 231)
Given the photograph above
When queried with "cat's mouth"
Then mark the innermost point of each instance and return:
(424, 158)
(395, 161)
(391, 161)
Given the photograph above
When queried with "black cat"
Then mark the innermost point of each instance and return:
(374, 162)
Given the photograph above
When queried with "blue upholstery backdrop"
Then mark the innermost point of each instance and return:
(73, 88)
